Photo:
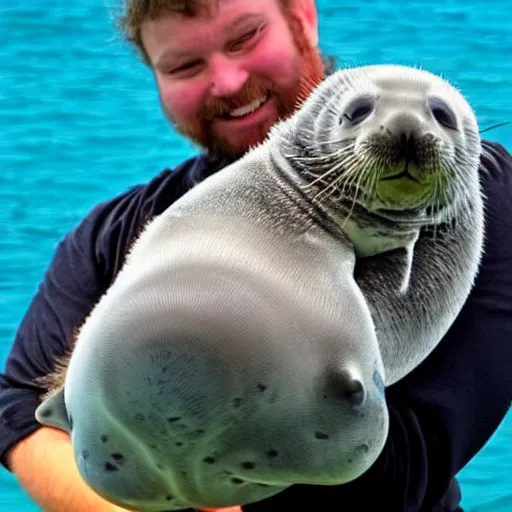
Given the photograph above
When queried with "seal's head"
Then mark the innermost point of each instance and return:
(397, 141)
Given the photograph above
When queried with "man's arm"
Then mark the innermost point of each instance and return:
(46, 469)
(80, 271)
(443, 412)
(83, 267)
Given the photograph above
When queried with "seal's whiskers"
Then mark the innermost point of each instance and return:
(339, 165)
(358, 190)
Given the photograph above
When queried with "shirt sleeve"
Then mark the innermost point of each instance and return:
(84, 264)
(81, 269)
(443, 412)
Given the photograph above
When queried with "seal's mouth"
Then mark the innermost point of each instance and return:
(403, 174)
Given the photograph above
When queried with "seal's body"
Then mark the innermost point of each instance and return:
(245, 344)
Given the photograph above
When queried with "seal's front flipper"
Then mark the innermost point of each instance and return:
(397, 276)
(52, 411)
(400, 264)
(405, 267)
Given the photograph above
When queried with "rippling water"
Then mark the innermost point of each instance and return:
(80, 122)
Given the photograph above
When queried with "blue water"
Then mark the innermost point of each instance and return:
(80, 122)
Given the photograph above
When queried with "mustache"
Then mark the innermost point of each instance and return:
(252, 90)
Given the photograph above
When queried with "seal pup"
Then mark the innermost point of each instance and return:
(245, 344)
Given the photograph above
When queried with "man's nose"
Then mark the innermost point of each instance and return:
(227, 76)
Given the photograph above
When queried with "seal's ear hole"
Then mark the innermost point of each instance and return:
(358, 110)
(442, 113)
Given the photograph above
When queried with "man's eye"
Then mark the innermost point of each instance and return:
(239, 43)
(187, 67)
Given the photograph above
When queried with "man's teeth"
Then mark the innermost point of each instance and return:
(247, 109)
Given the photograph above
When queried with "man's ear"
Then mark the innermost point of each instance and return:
(307, 13)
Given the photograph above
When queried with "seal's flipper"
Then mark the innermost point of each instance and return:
(398, 266)
(52, 411)
(406, 269)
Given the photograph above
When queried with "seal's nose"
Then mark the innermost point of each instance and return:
(404, 126)
(346, 386)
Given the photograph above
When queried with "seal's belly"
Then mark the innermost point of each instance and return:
(224, 370)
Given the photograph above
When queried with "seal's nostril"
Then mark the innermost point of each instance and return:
(354, 392)
(347, 387)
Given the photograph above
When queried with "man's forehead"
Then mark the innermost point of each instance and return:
(168, 37)
(212, 6)
(209, 8)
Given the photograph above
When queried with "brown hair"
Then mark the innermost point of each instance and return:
(135, 12)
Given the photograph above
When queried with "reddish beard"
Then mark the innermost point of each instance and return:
(201, 131)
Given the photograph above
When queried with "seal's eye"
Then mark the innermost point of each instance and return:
(442, 113)
(358, 111)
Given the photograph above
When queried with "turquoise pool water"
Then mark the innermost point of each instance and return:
(80, 122)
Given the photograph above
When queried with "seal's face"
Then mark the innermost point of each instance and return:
(388, 138)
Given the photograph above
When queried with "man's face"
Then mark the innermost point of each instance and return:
(225, 78)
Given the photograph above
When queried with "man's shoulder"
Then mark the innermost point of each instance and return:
(153, 196)
(109, 228)
(145, 200)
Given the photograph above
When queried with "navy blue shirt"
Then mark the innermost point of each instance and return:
(441, 414)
